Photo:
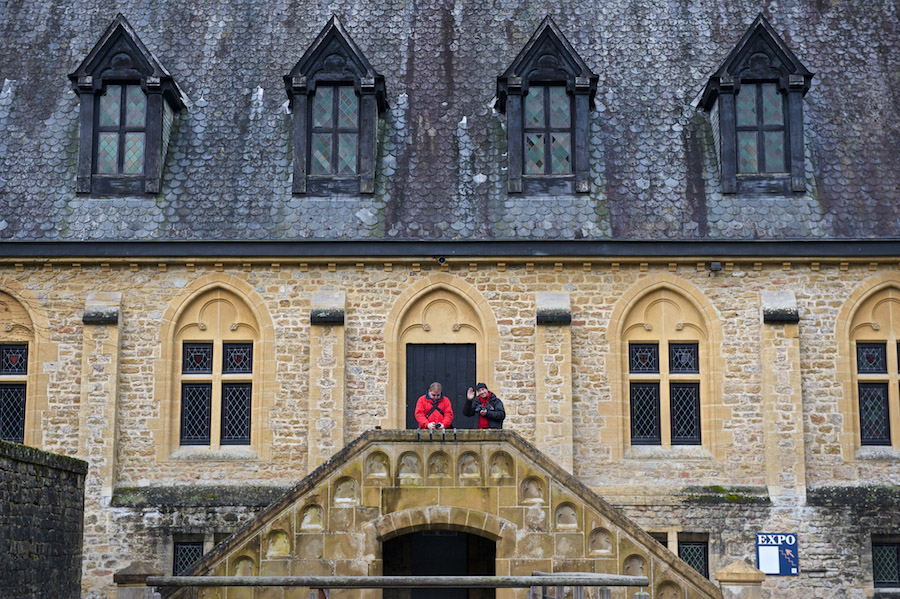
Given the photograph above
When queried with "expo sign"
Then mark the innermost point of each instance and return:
(776, 554)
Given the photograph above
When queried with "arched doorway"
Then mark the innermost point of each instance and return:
(440, 329)
(439, 552)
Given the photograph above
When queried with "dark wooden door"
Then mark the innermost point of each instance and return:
(451, 365)
(439, 553)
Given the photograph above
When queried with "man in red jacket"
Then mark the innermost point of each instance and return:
(433, 410)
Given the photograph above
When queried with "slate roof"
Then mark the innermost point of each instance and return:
(441, 170)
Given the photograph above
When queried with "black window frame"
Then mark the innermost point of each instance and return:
(335, 130)
(696, 541)
(333, 59)
(874, 379)
(120, 58)
(13, 391)
(892, 544)
(121, 130)
(184, 547)
(549, 60)
(761, 56)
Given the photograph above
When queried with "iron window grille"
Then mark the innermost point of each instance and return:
(871, 358)
(210, 382)
(886, 564)
(548, 131)
(684, 357)
(874, 422)
(685, 413)
(185, 555)
(643, 357)
(645, 429)
(13, 370)
(696, 554)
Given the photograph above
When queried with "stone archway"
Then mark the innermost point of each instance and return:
(440, 309)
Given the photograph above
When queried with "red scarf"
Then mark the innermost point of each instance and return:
(482, 421)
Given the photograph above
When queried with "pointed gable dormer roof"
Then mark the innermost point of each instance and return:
(547, 56)
(120, 54)
(334, 56)
(760, 54)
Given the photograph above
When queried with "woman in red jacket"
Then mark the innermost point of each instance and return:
(433, 410)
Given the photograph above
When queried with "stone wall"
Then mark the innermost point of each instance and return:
(42, 496)
(106, 381)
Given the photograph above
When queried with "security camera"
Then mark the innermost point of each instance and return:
(441, 260)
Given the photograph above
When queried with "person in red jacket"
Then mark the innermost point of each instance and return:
(433, 410)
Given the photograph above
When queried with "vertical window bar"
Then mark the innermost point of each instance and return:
(196, 413)
(12, 413)
(645, 428)
(685, 413)
(236, 413)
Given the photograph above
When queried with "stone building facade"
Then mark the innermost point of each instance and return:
(684, 298)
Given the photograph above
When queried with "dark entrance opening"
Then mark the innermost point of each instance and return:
(439, 552)
(452, 365)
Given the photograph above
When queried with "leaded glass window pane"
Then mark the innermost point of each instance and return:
(886, 564)
(774, 141)
(236, 413)
(534, 106)
(323, 105)
(186, 554)
(197, 358)
(13, 359)
(685, 413)
(873, 414)
(745, 106)
(135, 107)
(107, 153)
(111, 106)
(238, 358)
(645, 414)
(196, 411)
(684, 357)
(871, 358)
(696, 556)
(560, 108)
(12, 413)
(560, 149)
(772, 105)
(747, 152)
(347, 153)
(643, 357)
(534, 154)
(134, 154)
(347, 107)
(321, 154)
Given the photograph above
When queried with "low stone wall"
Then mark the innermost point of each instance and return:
(41, 519)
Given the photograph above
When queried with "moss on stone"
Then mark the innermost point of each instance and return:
(718, 494)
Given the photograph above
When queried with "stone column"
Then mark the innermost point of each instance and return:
(740, 580)
(782, 397)
(553, 373)
(326, 377)
(97, 418)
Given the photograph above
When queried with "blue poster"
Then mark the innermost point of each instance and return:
(776, 554)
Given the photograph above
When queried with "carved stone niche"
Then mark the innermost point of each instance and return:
(566, 517)
(501, 466)
(469, 466)
(312, 518)
(439, 465)
(533, 491)
(346, 492)
(634, 565)
(600, 542)
(378, 466)
(409, 469)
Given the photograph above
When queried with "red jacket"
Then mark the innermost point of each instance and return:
(424, 405)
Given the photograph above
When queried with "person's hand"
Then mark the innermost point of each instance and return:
(483, 412)
(470, 394)
(431, 426)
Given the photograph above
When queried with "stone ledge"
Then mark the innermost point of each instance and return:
(875, 496)
(32, 455)
(195, 496)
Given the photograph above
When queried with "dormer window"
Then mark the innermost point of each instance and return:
(546, 94)
(755, 100)
(128, 103)
(335, 98)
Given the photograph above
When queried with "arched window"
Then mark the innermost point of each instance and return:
(216, 371)
(16, 345)
(665, 369)
(874, 349)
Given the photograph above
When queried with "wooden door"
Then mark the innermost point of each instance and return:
(451, 365)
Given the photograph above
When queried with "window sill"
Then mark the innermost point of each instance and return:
(887, 593)
(877, 452)
(655, 452)
(209, 454)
